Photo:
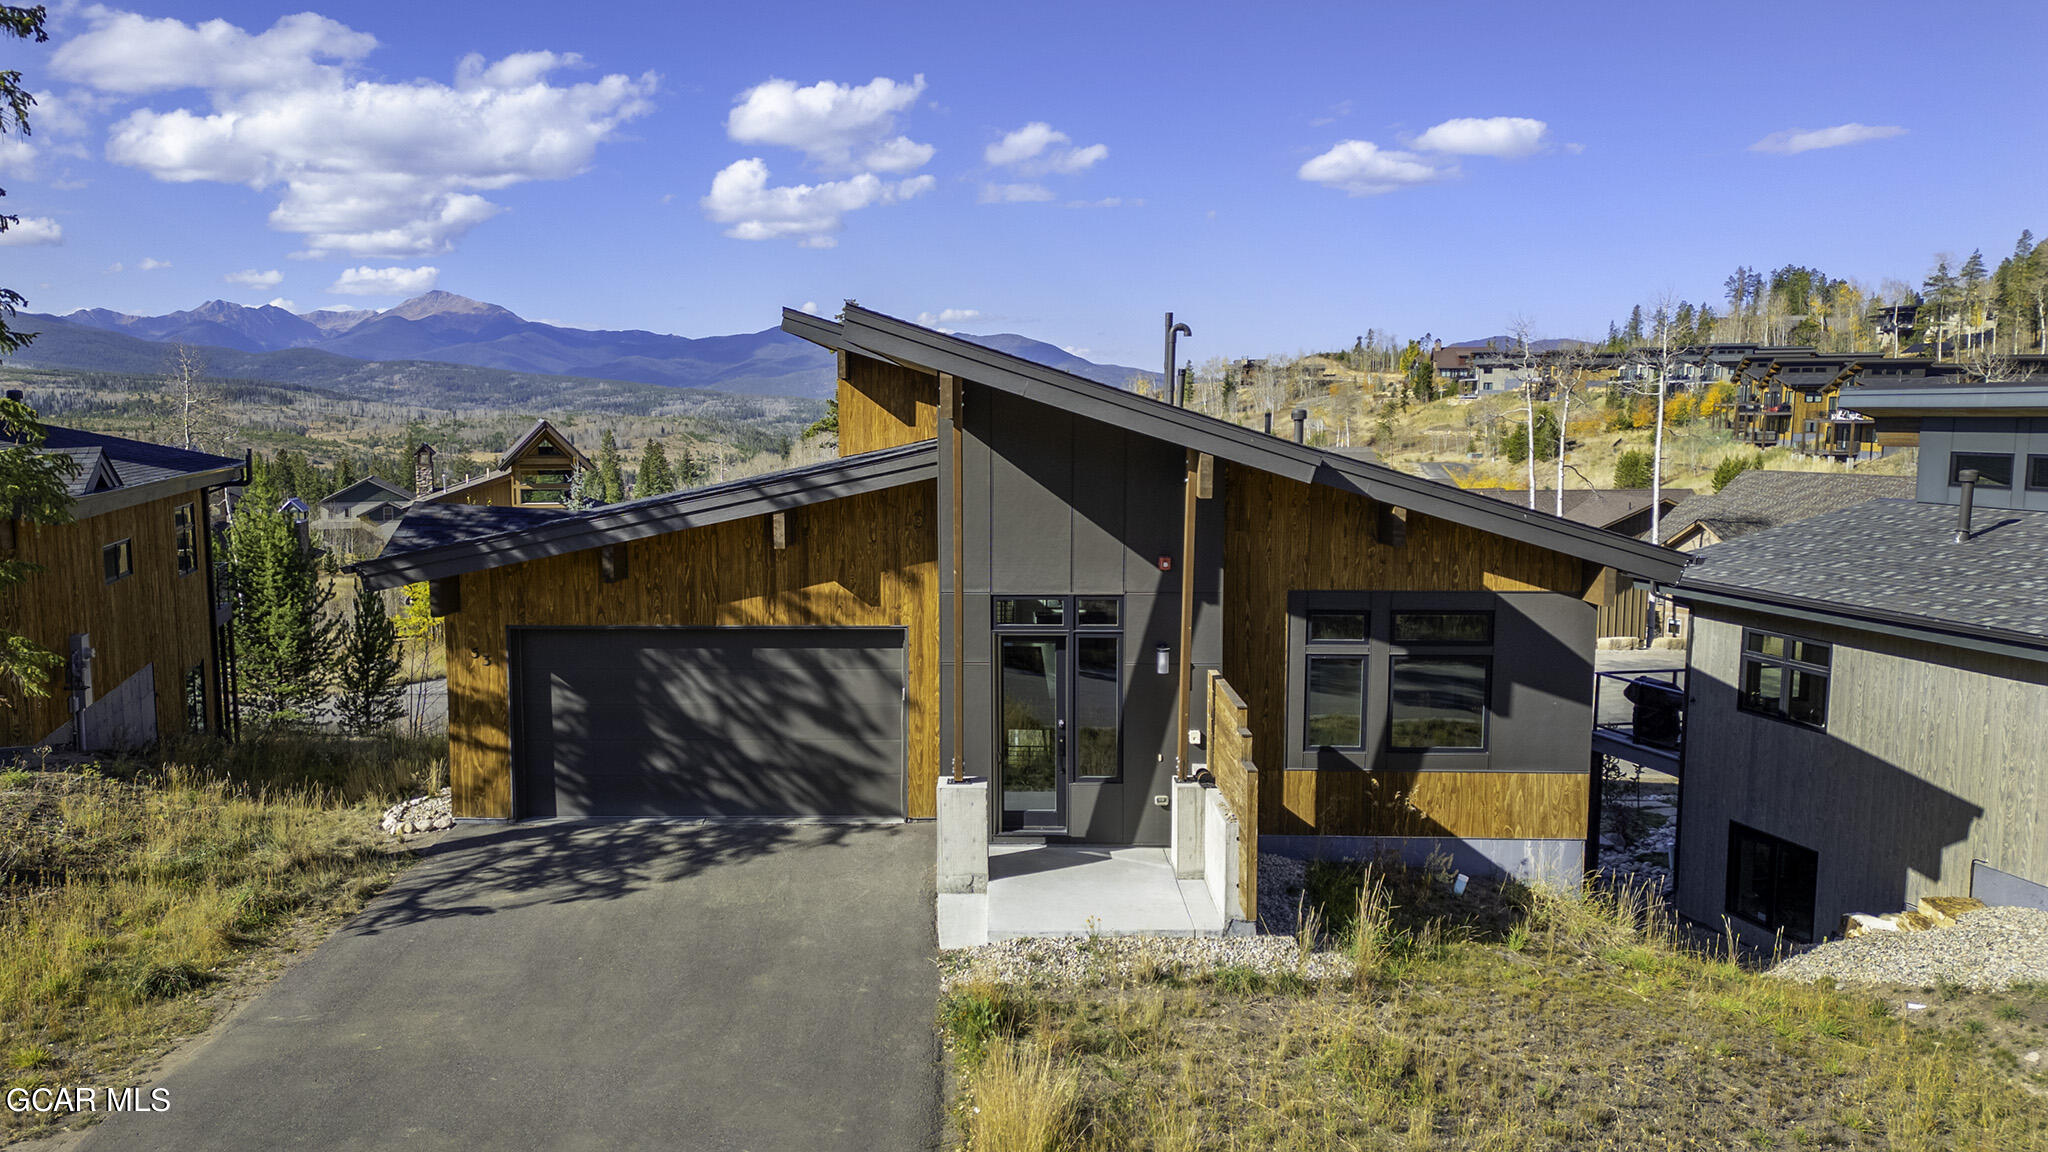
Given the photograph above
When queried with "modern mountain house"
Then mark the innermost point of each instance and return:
(1024, 575)
(535, 472)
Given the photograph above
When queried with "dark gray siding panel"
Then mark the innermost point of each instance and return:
(1099, 507)
(1030, 487)
(690, 722)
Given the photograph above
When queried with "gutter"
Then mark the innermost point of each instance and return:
(1998, 641)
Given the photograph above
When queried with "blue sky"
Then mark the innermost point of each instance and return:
(1282, 177)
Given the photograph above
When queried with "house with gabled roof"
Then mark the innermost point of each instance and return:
(124, 594)
(1049, 584)
(537, 471)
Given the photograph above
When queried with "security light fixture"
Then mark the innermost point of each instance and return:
(1165, 654)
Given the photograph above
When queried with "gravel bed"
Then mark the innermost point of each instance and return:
(1987, 950)
(1281, 883)
(1080, 962)
(420, 814)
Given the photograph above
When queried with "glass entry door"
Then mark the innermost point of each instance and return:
(1032, 751)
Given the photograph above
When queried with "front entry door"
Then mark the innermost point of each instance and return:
(1033, 726)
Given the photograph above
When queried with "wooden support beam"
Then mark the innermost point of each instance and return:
(778, 527)
(444, 596)
(1189, 494)
(953, 399)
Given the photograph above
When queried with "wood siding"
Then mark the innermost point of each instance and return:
(1237, 777)
(883, 405)
(1932, 757)
(495, 492)
(1284, 536)
(862, 560)
(153, 616)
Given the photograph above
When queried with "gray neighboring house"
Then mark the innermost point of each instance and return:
(358, 519)
(1760, 499)
(1868, 692)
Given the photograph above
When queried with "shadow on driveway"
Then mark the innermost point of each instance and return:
(622, 985)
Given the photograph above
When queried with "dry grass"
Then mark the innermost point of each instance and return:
(1023, 1101)
(1509, 1019)
(133, 895)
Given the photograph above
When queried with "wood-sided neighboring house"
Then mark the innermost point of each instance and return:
(535, 472)
(1414, 661)
(124, 594)
(1869, 688)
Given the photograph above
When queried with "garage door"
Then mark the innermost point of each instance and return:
(713, 722)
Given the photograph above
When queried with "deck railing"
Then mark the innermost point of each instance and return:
(1652, 724)
(1237, 779)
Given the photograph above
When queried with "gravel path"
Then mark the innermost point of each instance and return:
(1079, 962)
(1986, 950)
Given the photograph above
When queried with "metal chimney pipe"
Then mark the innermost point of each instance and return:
(1968, 479)
(1301, 425)
(1166, 378)
(1269, 423)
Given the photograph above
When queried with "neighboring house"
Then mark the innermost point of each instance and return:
(1416, 660)
(357, 520)
(1624, 608)
(124, 594)
(1867, 696)
(536, 472)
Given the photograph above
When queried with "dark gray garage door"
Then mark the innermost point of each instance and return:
(710, 722)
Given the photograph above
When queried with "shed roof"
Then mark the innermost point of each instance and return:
(1760, 499)
(1598, 507)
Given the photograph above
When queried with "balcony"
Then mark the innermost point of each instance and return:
(1639, 716)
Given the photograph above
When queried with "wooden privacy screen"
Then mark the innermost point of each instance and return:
(1237, 778)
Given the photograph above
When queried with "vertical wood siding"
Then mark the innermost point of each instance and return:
(1237, 777)
(154, 616)
(884, 405)
(862, 560)
(1284, 536)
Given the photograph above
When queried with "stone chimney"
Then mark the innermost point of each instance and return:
(423, 470)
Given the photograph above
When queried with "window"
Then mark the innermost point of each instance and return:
(1337, 649)
(544, 487)
(195, 699)
(1813, 397)
(117, 560)
(2037, 473)
(1031, 611)
(1443, 627)
(1438, 702)
(1994, 470)
(1784, 677)
(1098, 611)
(1771, 882)
(188, 539)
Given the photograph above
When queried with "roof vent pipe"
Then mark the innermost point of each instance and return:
(1968, 479)
(14, 394)
(1300, 425)
(1269, 423)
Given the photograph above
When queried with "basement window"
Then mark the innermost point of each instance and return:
(188, 539)
(1994, 469)
(1771, 882)
(1785, 678)
(117, 560)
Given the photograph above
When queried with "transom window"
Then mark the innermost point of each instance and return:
(1994, 469)
(1771, 882)
(1785, 677)
(117, 560)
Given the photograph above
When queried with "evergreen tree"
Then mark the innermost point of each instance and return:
(283, 642)
(586, 490)
(1632, 470)
(345, 474)
(608, 469)
(828, 424)
(1632, 334)
(655, 477)
(368, 671)
(34, 487)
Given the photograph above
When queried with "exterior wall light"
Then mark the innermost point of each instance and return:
(1165, 654)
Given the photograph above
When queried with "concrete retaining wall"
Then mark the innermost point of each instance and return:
(1558, 863)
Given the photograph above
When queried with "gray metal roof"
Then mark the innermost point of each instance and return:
(881, 337)
(449, 539)
(1897, 562)
(1760, 499)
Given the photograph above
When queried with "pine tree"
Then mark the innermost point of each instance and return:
(1632, 470)
(655, 477)
(608, 469)
(586, 490)
(344, 473)
(1632, 334)
(283, 643)
(368, 670)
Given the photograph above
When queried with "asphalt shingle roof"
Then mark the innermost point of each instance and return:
(1757, 500)
(135, 461)
(1896, 556)
(432, 525)
(1598, 507)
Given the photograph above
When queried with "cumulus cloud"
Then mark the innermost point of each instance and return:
(18, 158)
(944, 318)
(1796, 140)
(1038, 148)
(281, 302)
(255, 279)
(1015, 193)
(1362, 168)
(151, 264)
(742, 199)
(30, 231)
(838, 127)
(363, 168)
(810, 308)
(367, 281)
(1501, 136)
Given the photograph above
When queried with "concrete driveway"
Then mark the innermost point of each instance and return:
(601, 986)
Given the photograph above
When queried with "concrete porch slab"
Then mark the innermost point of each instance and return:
(1076, 890)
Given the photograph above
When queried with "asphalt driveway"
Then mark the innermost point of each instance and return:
(602, 986)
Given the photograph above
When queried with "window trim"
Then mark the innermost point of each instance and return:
(1745, 655)
(126, 552)
(1955, 466)
(1485, 715)
(1072, 631)
(185, 538)
(1775, 921)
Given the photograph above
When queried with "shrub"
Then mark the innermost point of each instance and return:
(1732, 466)
(1633, 469)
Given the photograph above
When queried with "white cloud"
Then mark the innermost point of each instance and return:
(18, 158)
(948, 316)
(1073, 350)
(254, 279)
(151, 264)
(1501, 136)
(281, 302)
(1363, 168)
(33, 230)
(365, 168)
(1110, 202)
(116, 266)
(742, 199)
(1015, 194)
(838, 127)
(1796, 140)
(1038, 148)
(367, 281)
(810, 308)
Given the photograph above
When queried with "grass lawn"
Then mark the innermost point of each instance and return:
(1502, 1020)
(138, 898)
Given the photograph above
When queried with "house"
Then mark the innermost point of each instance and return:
(1868, 690)
(124, 594)
(1762, 498)
(1623, 608)
(535, 472)
(357, 520)
(1024, 576)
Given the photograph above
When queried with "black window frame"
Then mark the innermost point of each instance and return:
(185, 532)
(117, 560)
(2037, 473)
(1332, 648)
(1071, 626)
(1787, 664)
(1785, 858)
(1465, 655)
(1957, 461)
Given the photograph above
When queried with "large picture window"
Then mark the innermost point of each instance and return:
(1407, 675)
(1785, 677)
(1994, 469)
(1771, 882)
(1438, 702)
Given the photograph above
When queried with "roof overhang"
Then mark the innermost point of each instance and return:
(639, 519)
(880, 337)
(128, 496)
(1904, 625)
(2028, 399)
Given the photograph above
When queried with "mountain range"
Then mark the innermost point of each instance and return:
(269, 342)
